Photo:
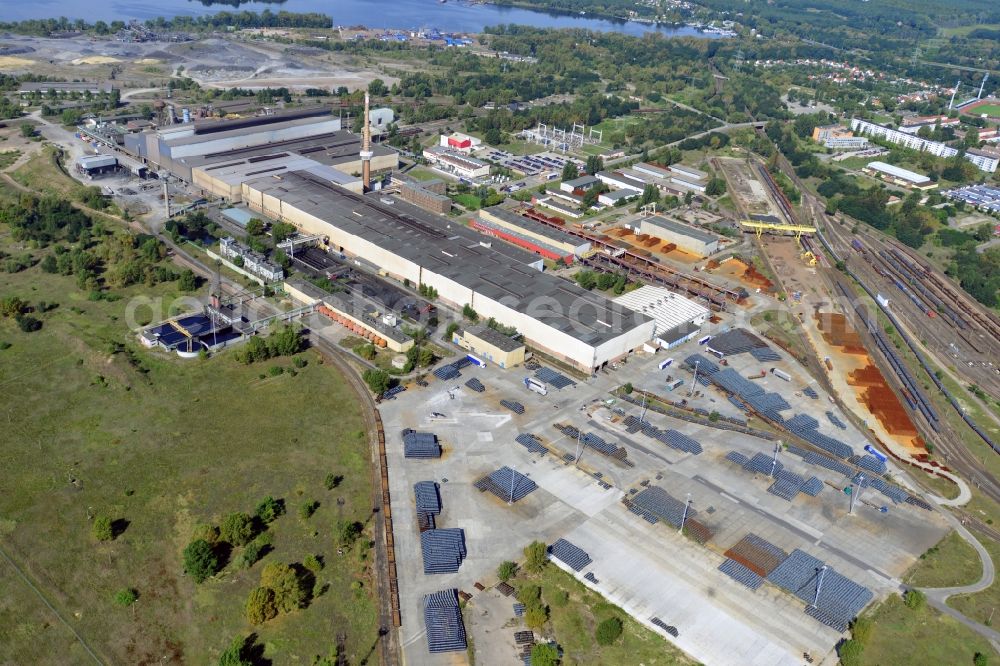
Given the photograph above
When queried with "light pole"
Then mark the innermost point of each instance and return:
(774, 460)
(684, 516)
(695, 380)
(511, 500)
(819, 585)
(854, 495)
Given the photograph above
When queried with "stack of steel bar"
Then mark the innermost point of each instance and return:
(573, 556)
(443, 621)
(531, 442)
(810, 392)
(835, 601)
(420, 444)
(446, 372)
(443, 550)
(670, 629)
(756, 554)
(475, 385)
(553, 378)
(507, 484)
(428, 504)
(513, 406)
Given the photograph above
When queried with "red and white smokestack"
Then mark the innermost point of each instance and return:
(366, 149)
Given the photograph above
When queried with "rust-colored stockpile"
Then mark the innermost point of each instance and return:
(837, 332)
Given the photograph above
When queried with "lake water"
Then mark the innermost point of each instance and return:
(453, 16)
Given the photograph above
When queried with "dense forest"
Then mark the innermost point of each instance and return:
(239, 20)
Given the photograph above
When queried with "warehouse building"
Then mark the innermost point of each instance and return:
(462, 143)
(380, 119)
(455, 163)
(530, 235)
(617, 180)
(225, 179)
(678, 319)
(616, 197)
(565, 209)
(253, 262)
(687, 238)
(429, 195)
(66, 87)
(96, 165)
(899, 176)
(497, 280)
(583, 183)
(171, 147)
(491, 346)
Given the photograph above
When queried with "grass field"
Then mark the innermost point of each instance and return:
(41, 174)
(991, 110)
(163, 445)
(573, 624)
(950, 563)
(981, 606)
(468, 201)
(923, 637)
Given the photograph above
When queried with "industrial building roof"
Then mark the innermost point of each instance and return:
(497, 271)
(495, 338)
(691, 172)
(201, 136)
(582, 182)
(678, 228)
(898, 172)
(652, 170)
(618, 195)
(668, 309)
(528, 224)
(333, 148)
(235, 173)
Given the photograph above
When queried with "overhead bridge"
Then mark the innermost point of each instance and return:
(759, 227)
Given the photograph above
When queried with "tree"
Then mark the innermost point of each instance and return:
(570, 171)
(282, 230)
(255, 226)
(235, 654)
(332, 480)
(627, 388)
(126, 596)
(715, 187)
(261, 606)
(586, 279)
(595, 163)
(536, 556)
(608, 631)
(269, 509)
(378, 380)
(469, 313)
(200, 560)
(544, 654)
(979, 659)
(187, 281)
(347, 532)
(506, 571)
(209, 533)
(289, 593)
(285, 342)
(102, 528)
(237, 529)
(313, 563)
(27, 130)
(377, 88)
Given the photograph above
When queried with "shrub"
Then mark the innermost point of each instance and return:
(861, 630)
(209, 533)
(377, 380)
(850, 653)
(608, 631)
(628, 388)
(313, 563)
(347, 532)
(535, 617)
(308, 509)
(332, 481)
(544, 654)
(506, 571)
(200, 560)
(914, 599)
(979, 659)
(102, 528)
(237, 529)
(261, 605)
(126, 596)
(235, 654)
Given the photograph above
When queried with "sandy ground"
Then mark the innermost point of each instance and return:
(13, 62)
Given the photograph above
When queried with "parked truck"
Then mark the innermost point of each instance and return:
(782, 374)
(538, 387)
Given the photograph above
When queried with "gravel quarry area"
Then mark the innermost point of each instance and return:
(216, 61)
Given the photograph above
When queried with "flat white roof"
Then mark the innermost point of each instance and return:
(668, 309)
(898, 172)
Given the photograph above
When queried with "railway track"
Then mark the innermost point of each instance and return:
(387, 588)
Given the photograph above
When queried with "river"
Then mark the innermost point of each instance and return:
(452, 16)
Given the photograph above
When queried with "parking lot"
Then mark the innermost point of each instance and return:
(649, 570)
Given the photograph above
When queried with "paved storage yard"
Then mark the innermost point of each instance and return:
(649, 570)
